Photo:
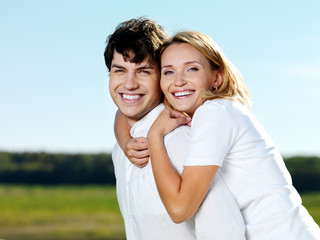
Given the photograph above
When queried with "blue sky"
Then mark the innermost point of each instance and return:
(54, 84)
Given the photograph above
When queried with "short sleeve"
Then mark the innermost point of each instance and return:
(176, 144)
(212, 135)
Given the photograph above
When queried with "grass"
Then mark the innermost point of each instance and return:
(312, 203)
(62, 212)
(73, 212)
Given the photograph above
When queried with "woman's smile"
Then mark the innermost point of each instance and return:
(185, 75)
(183, 93)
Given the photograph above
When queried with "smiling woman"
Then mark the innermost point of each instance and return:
(188, 76)
(226, 140)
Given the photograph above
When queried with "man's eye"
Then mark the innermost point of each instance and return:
(145, 72)
(119, 71)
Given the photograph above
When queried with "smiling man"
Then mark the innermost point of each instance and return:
(134, 87)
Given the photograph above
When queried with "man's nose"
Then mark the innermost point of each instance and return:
(131, 82)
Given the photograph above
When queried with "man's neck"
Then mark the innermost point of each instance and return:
(131, 122)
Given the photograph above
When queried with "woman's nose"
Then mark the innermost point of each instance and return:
(179, 80)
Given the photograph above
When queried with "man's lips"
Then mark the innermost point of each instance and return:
(131, 97)
(184, 93)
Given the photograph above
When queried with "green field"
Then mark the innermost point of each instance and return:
(73, 212)
(59, 213)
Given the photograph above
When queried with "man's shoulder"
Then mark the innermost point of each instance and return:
(181, 133)
(119, 160)
(117, 154)
(115, 150)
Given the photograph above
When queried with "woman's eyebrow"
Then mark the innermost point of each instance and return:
(191, 62)
(166, 66)
(186, 63)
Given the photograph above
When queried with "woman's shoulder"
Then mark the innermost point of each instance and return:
(217, 102)
(225, 106)
(214, 116)
(211, 109)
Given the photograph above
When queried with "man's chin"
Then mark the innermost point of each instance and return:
(133, 116)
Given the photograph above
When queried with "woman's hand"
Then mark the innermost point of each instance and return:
(136, 150)
(167, 121)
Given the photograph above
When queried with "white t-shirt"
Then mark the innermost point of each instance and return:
(144, 214)
(226, 134)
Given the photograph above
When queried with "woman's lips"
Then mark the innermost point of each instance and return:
(184, 93)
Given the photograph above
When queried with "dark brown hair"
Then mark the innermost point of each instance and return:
(141, 36)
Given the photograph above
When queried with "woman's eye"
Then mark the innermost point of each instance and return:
(167, 72)
(193, 69)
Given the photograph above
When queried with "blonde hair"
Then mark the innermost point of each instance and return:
(233, 86)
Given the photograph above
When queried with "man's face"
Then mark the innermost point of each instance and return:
(134, 87)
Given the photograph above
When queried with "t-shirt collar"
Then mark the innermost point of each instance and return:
(141, 127)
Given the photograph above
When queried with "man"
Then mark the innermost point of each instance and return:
(130, 56)
(134, 87)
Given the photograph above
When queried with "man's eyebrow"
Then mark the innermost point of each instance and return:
(146, 67)
(139, 68)
(116, 66)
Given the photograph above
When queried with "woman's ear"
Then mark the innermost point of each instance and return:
(218, 79)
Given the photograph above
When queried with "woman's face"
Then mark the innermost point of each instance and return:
(185, 74)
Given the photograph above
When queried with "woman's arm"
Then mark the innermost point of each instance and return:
(136, 149)
(181, 195)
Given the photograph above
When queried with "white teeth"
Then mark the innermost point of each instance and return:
(130, 97)
(180, 94)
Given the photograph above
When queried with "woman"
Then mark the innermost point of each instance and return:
(198, 80)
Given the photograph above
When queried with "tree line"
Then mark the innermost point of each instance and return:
(51, 169)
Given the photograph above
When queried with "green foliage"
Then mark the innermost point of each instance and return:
(299, 164)
(305, 172)
(45, 168)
